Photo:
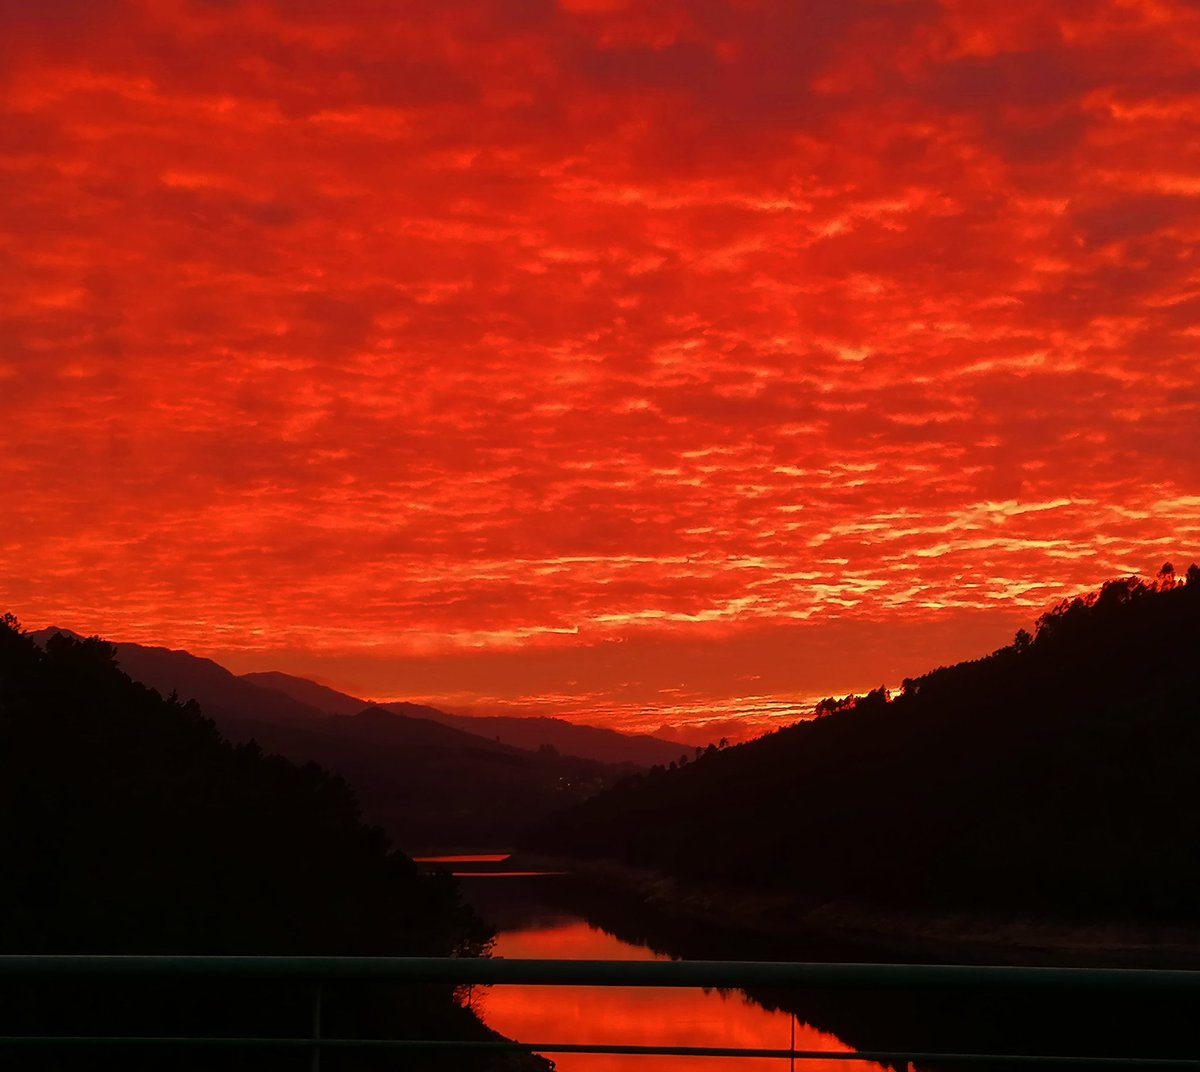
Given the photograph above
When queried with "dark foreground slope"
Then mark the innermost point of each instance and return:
(1058, 776)
(127, 825)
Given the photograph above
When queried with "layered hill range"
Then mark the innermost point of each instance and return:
(433, 780)
(128, 826)
(1058, 777)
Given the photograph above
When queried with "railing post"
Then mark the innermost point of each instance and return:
(315, 1062)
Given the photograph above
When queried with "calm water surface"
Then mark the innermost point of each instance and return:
(621, 1015)
(548, 917)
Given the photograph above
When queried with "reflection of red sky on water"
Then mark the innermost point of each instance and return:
(641, 1016)
(573, 940)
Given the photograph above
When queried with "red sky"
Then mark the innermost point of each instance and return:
(655, 362)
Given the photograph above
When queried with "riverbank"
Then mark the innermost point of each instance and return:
(794, 928)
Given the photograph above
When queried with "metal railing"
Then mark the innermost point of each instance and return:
(317, 972)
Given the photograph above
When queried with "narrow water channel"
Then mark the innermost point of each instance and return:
(644, 1016)
(641, 1016)
(544, 915)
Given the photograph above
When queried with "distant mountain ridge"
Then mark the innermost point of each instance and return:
(217, 690)
(273, 696)
(431, 779)
(570, 738)
(532, 732)
(319, 697)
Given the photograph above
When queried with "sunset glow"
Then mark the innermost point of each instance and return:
(668, 365)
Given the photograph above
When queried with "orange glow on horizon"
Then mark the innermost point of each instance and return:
(661, 365)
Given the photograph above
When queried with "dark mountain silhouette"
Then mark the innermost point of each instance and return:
(319, 697)
(593, 742)
(533, 732)
(430, 784)
(383, 726)
(272, 696)
(216, 689)
(127, 825)
(1056, 776)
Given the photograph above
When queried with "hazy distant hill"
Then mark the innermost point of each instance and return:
(272, 696)
(321, 697)
(570, 738)
(1058, 774)
(433, 786)
(372, 725)
(589, 742)
(429, 783)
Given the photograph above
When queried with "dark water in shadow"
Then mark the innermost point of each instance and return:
(561, 917)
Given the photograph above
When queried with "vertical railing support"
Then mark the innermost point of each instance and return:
(315, 1061)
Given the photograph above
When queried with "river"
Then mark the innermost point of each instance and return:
(533, 926)
(552, 915)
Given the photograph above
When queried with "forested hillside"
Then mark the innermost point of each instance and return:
(128, 825)
(1058, 774)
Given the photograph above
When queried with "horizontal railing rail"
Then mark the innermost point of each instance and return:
(722, 975)
(892, 1057)
(713, 974)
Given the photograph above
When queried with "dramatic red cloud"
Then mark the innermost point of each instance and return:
(672, 362)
